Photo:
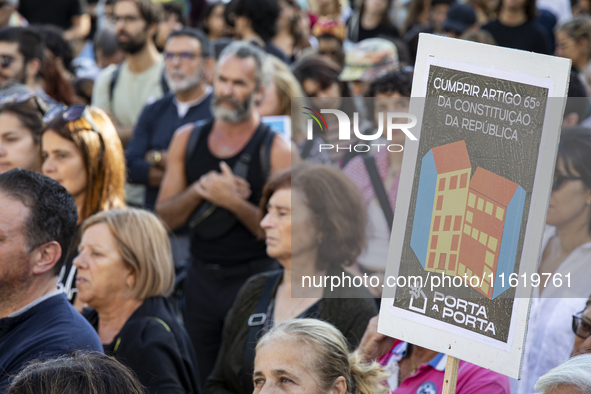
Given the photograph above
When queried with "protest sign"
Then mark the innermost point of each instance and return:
(472, 200)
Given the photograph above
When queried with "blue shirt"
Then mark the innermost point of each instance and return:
(154, 131)
(43, 329)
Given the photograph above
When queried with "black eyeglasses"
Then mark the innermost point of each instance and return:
(184, 56)
(71, 114)
(580, 327)
(560, 178)
(6, 61)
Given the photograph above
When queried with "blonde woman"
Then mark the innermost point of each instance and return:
(125, 271)
(311, 356)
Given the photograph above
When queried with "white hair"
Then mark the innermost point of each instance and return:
(574, 372)
(244, 50)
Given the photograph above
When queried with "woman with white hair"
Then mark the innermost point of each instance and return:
(571, 377)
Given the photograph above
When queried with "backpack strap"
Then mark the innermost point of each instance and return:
(307, 149)
(255, 323)
(266, 158)
(113, 82)
(115, 76)
(198, 128)
(378, 187)
(163, 83)
(263, 139)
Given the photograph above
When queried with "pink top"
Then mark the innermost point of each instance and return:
(428, 379)
(356, 170)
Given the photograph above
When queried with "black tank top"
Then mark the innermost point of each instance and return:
(239, 245)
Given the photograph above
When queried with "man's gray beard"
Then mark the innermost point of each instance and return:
(186, 83)
(233, 115)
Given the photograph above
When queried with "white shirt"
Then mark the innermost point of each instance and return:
(375, 255)
(182, 107)
(550, 337)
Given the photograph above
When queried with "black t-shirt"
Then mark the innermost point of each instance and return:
(52, 12)
(529, 36)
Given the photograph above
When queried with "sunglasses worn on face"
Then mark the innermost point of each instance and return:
(71, 114)
(6, 61)
(560, 178)
(580, 327)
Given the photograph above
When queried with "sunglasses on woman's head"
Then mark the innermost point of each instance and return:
(71, 114)
(559, 180)
(16, 98)
(22, 97)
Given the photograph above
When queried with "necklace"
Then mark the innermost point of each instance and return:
(288, 314)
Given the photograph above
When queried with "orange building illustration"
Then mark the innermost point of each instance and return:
(466, 225)
(488, 218)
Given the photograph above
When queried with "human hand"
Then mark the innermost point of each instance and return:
(373, 345)
(221, 188)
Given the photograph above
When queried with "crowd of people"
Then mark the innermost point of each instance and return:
(152, 211)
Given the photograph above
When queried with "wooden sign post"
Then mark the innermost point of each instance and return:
(472, 200)
(451, 375)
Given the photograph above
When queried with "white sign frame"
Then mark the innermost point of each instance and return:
(503, 63)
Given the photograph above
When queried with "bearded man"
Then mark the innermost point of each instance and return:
(206, 165)
(123, 90)
(188, 63)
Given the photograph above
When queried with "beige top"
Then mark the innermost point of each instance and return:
(131, 93)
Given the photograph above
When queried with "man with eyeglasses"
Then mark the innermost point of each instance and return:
(188, 62)
(124, 90)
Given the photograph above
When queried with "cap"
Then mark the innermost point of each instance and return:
(370, 59)
(459, 18)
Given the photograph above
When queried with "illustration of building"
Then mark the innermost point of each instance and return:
(441, 205)
(466, 226)
(491, 230)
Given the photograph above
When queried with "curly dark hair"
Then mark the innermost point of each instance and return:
(392, 82)
(262, 14)
(337, 210)
(397, 81)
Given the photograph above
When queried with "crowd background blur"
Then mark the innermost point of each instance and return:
(184, 108)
